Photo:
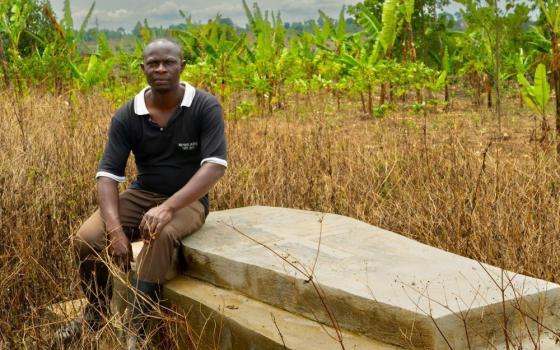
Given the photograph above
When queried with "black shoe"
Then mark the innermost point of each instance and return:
(92, 320)
(143, 296)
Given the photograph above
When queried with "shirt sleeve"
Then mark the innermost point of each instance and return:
(117, 149)
(212, 138)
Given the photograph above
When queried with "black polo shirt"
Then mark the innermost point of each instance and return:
(166, 158)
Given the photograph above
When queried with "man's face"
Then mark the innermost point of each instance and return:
(162, 65)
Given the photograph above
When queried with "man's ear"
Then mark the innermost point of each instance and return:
(183, 64)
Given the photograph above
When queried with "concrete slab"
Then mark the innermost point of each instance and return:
(225, 319)
(366, 279)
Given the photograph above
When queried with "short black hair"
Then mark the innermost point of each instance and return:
(164, 41)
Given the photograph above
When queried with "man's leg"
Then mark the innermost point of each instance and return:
(89, 245)
(155, 258)
(154, 261)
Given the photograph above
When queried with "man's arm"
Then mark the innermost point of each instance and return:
(108, 199)
(201, 182)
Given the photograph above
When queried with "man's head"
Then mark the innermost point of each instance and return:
(162, 64)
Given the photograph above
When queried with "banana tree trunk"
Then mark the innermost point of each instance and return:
(370, 101)
(269, 103)
(412, 55)
(404, 49)
(489, 94)
(362, 99)
(4, 64)
(412, 46)
(556, 83)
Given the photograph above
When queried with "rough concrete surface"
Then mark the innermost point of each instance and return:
(371, 281)
(226, 319)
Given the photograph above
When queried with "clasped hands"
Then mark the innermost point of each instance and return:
(150, 227)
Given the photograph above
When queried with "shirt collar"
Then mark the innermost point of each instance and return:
(140, 102)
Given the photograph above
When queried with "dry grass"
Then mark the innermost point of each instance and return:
(452, 189)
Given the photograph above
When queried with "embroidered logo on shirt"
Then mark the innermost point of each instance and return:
(188, 146)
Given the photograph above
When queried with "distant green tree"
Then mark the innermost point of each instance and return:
(227, 21)
(137, 30)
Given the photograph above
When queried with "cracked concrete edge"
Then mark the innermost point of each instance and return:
(231, 320)
(522, 322)
(392, 324)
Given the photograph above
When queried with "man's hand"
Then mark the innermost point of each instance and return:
(156, 218)
(119, 248)
(154, 221)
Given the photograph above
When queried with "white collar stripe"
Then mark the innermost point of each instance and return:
(140, 102)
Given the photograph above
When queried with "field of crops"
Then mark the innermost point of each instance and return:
(445, 134)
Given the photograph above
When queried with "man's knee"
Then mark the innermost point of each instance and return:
(163, 245)
(168, 235)
(90, 238)
(81, 246)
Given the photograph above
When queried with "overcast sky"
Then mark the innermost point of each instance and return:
(112, 14)
(124, 13)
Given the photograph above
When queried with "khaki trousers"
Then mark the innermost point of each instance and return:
(155, 258)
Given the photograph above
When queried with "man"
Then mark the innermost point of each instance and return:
(176, 133)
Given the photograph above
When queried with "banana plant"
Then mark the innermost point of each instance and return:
(407, 10)
(218, 46)
(363, 71)
(72, 37)
(263, 52)
(389, 21)
(387, 35)
(550, 10)
(519, 63)
(93, 73)
(536, 96)
(445, 64)
(476, 57)
(13, 20)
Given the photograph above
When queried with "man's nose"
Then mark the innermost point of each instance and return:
(161, 67)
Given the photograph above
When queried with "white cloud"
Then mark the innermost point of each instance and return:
(225, 9)
(104, 17)
(118, 14)
(166, 9)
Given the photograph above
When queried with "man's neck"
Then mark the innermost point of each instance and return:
(167, 100)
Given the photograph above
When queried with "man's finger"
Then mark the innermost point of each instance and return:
(158, 229)
(152, 222)
(142, 224)
(145, 229)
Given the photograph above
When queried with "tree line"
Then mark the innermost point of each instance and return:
(378, 53)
